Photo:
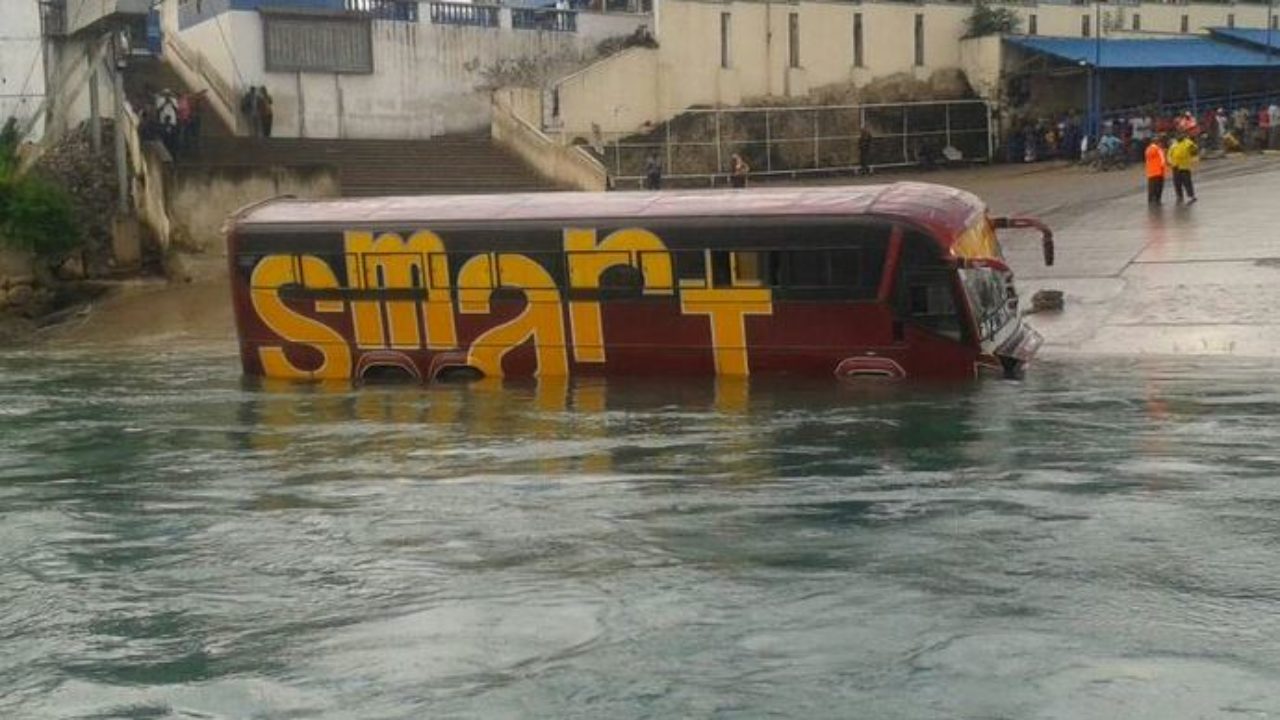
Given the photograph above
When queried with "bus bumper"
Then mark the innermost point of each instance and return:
(1018, 349)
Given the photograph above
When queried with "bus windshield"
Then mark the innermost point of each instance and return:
(978, 242)
(989, 289)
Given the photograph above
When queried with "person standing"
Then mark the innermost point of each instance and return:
(1182, 157)
(652, 173)
(1264, 128)
(738, 171)
(249, 107)
(266, 111)
(864, 151)
(1155, 171)
(167, 112)
(1273, 114)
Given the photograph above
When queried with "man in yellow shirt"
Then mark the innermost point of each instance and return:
(1182, 158)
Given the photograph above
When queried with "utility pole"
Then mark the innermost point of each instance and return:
(1270, 22)
(1095, 99)
(118, 60)
(95, 111)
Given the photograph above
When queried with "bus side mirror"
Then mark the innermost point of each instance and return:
(1046, 235)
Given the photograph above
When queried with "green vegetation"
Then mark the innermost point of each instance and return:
(35, 214)
(987, 20)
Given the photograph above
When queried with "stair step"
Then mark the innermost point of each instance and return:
(450, 164)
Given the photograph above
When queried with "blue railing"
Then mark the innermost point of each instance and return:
(544, 19)
(402, 10)
(450, 13)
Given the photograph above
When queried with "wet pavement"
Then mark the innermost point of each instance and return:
(1176, 279)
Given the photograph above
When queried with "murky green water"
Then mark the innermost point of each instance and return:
(1100, 540)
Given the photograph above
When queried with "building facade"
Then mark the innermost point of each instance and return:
(22, 64)
(714, 53)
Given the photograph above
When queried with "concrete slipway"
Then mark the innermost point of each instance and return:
(1201, 279)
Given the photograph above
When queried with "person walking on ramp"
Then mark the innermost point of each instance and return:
(1182, 157)
(1155, 170)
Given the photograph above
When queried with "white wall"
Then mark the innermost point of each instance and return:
(70, 66)
(621, 92)
(428, 79)
(83, 13)
(21, 61)
(688, 61)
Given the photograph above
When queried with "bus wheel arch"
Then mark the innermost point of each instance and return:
(453, 367)
(458, 373)
(387, 366)
(870, 367)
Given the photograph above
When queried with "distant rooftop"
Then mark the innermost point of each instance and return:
(1146, 54)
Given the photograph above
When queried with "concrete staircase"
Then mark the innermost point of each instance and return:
(449, 164)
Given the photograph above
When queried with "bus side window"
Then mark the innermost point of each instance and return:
(245, 265)
(805, 269)
(721, 269)
(691, 268)
(831, 262)
(925, 290)
(737, 268)
(622, 281)
(748, 268)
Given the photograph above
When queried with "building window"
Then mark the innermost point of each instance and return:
(793, 38)
(725, 19)
(857, 40)
(1084, 26)
(919, 40)
(1185, 24)
(1231, 20)
(1031, 24)
(326, 44)
(1275, 22)
(1137, 21)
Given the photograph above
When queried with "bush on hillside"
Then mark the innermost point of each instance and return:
(988, 20)
(36, 215)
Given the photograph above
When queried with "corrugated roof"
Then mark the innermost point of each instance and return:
(1253, 36)
(1143, 54)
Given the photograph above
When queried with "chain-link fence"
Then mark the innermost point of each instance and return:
(697, 146)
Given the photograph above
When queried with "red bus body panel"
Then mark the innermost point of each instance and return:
(643, 335)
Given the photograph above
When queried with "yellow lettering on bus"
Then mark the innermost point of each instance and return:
(727, 309)
(390, 261)
(636, 247)
(275, 271)
(542, 320)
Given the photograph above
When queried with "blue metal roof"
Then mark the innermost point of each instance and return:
(1143, 54)
(1253, 36)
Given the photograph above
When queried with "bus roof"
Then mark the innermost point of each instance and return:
(944, 210)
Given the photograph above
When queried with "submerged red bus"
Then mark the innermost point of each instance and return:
(902, 280)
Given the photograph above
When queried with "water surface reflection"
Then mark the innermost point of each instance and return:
(1097, 540)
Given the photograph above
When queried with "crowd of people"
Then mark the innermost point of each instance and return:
(172, 118)
(175, 119)
(1242, 129)
(259, 110)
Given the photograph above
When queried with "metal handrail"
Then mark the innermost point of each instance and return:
(456, 13)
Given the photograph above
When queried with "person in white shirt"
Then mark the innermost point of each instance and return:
(1273, 114)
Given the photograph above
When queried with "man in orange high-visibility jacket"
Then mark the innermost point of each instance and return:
(1157, 166)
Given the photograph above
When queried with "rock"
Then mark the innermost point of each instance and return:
(71, 269)
(177, 267)
(14, 330)
(1047, 300)
(21, 295)
(20, 280)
